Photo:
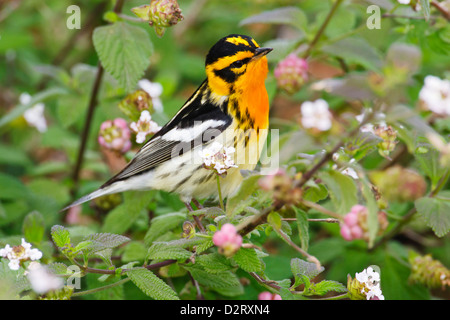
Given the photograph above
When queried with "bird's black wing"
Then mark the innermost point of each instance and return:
(187, 129)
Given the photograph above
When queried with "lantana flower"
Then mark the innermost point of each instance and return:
(365, 286)
(435, 94)
(18, 254)
(355, 225)
(115, 135)
(316, 115)
(154, 89)
(217, 157)
(34, 116)
(291, 73)
(227, 239)
(144, 126)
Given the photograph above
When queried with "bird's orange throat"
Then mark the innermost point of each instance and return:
(251, 93)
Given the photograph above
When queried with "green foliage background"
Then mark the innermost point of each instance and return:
(41, 56)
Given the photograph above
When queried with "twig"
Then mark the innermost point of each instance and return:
(300, 250)
(441, 9)
(322, 29)
(90, 113)
(321, 209)
(82, 293)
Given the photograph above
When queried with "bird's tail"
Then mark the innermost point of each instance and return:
(112, 188)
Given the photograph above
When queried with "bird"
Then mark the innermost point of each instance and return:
(231, 106)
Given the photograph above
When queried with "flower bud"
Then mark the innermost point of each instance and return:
(291, 73)
(266, 295)
(354, 225)
(115, 135)
(188, 230)
(160, 14)
(280, 184)
(227, 239)
(427, 271)
(135, 103)
(389, 137)
(399, 184)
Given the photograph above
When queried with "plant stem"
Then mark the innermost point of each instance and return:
(220, 193)
(93, 101)
(322, 29)
(81, 293)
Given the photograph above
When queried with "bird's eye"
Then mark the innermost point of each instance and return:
(237, 64)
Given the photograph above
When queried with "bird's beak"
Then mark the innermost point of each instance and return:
(261, 52)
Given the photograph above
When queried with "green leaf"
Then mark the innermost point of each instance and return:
(371, 203)
(355, 50)
(162, 224)
(12, 188)
(151, 285)
(324, 287)
(225, 283)
(247, 188)
(315, 192)
(425, 4)
(163, 250)
(300, 267)
(342, 189)
(60, 236)
(302, 227)
(247, 259)
(33, 227)
(288, 15)
(124, 52)
(213, 262)
(122, 217)
(428, 158)
(436, 212)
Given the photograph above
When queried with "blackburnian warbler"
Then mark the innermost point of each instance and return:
(231, 107)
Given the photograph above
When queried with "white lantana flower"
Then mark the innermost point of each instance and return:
(371, 281)
(217, 157)
(34, 116)
(42, 280)
(436, 95)
(404, 1)
(315, 114)
(19, 253)
(154, 89)
(144, 126)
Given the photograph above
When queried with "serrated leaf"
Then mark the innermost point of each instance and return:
(60, 236)
(226, 283)
(300, 267)
(213, 262)
(162, 224)
(302, 227)
(288, 15)
(151, 285)
(342, 190)
(124, 51)
(108, 240)
(324, 287)
(247, 259)
(435, 212)
(162, 250)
